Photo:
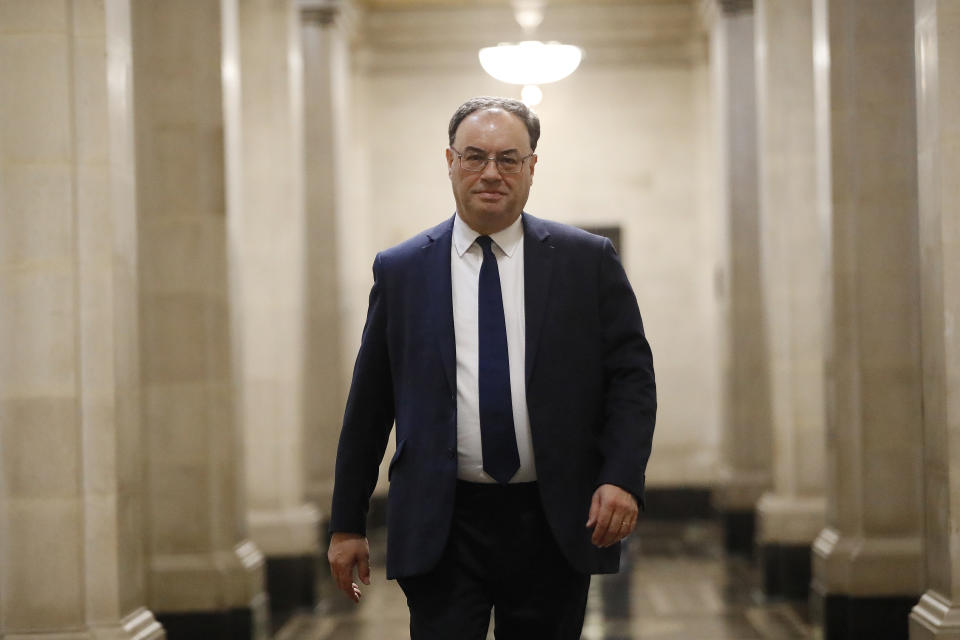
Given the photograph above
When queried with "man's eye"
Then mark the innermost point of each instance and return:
(507, 162)
(474, 157)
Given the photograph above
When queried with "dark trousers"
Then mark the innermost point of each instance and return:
(500, 554)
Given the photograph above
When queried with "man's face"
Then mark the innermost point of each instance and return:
(488, 200)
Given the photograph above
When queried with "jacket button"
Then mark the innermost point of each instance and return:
(451, 452)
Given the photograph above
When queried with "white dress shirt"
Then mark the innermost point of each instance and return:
(466, 256)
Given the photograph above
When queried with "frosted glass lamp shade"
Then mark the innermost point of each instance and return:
(530, 62)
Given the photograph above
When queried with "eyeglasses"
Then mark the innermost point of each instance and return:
(476, 160)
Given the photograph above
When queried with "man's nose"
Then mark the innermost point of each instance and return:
(491, 171)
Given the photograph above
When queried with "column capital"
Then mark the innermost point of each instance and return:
(322, 12)
(342, 14)
(735, 7)
(711, 10)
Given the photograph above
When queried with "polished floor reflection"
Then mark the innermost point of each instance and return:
(676, 584)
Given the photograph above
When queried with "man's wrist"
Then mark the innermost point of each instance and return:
(342, 536)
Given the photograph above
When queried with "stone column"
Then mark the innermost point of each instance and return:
(938, 118)
(72, 560)
(268, 268)
(324, 88)
(792, 514)
(744, 473)
(867, 565)
(205, 578)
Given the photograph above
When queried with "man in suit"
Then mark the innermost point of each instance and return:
(510, 353)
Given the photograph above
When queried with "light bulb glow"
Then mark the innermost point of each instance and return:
(531, 95)
(530, 62)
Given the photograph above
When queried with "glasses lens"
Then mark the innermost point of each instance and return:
(473, 161)
(508, 163)
(477, 161)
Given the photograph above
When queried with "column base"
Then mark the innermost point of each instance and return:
(291, 585)
(789, 519)
(786, 570)
(735, 498)
(140, 625)
(935, 618)
(844, 617)
(206, 582)
(739, 531)
(868, 566)
(285, 532)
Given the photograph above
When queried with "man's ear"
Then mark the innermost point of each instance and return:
(533, 163)
(449, 155)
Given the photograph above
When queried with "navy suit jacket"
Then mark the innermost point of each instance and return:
(591, 395)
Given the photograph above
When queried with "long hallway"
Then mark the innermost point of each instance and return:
(192, 196)
(677, 584)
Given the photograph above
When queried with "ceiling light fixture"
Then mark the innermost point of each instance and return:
(530, 63)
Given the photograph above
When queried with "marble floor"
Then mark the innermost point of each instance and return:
(676, 584)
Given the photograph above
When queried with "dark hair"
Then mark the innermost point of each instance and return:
(483, 103)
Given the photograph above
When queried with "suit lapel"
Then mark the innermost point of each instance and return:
(436, 278)
(537, 272)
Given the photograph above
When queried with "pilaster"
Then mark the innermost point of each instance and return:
(268, 271)
(72, 561)
(937, 49)
(745, 450)
(204, 579)
(867, 568)
(333, 265)
(792, 512)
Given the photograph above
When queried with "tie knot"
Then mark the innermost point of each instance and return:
(485, 243)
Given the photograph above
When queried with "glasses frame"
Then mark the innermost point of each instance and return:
(495, 162)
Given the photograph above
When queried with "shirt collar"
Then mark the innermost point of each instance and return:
(507, 239)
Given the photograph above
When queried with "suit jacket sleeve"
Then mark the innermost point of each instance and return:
(630, 389)
(367, 420)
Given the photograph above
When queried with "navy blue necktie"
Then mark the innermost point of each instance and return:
(498, 439)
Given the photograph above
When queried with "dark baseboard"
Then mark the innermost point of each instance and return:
(739, 529)
(233, 624)
(786, 570)
(844, 617)
(678, 503)
(291, 585)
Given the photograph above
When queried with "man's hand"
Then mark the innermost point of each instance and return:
(349, 550)
(613, 515)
